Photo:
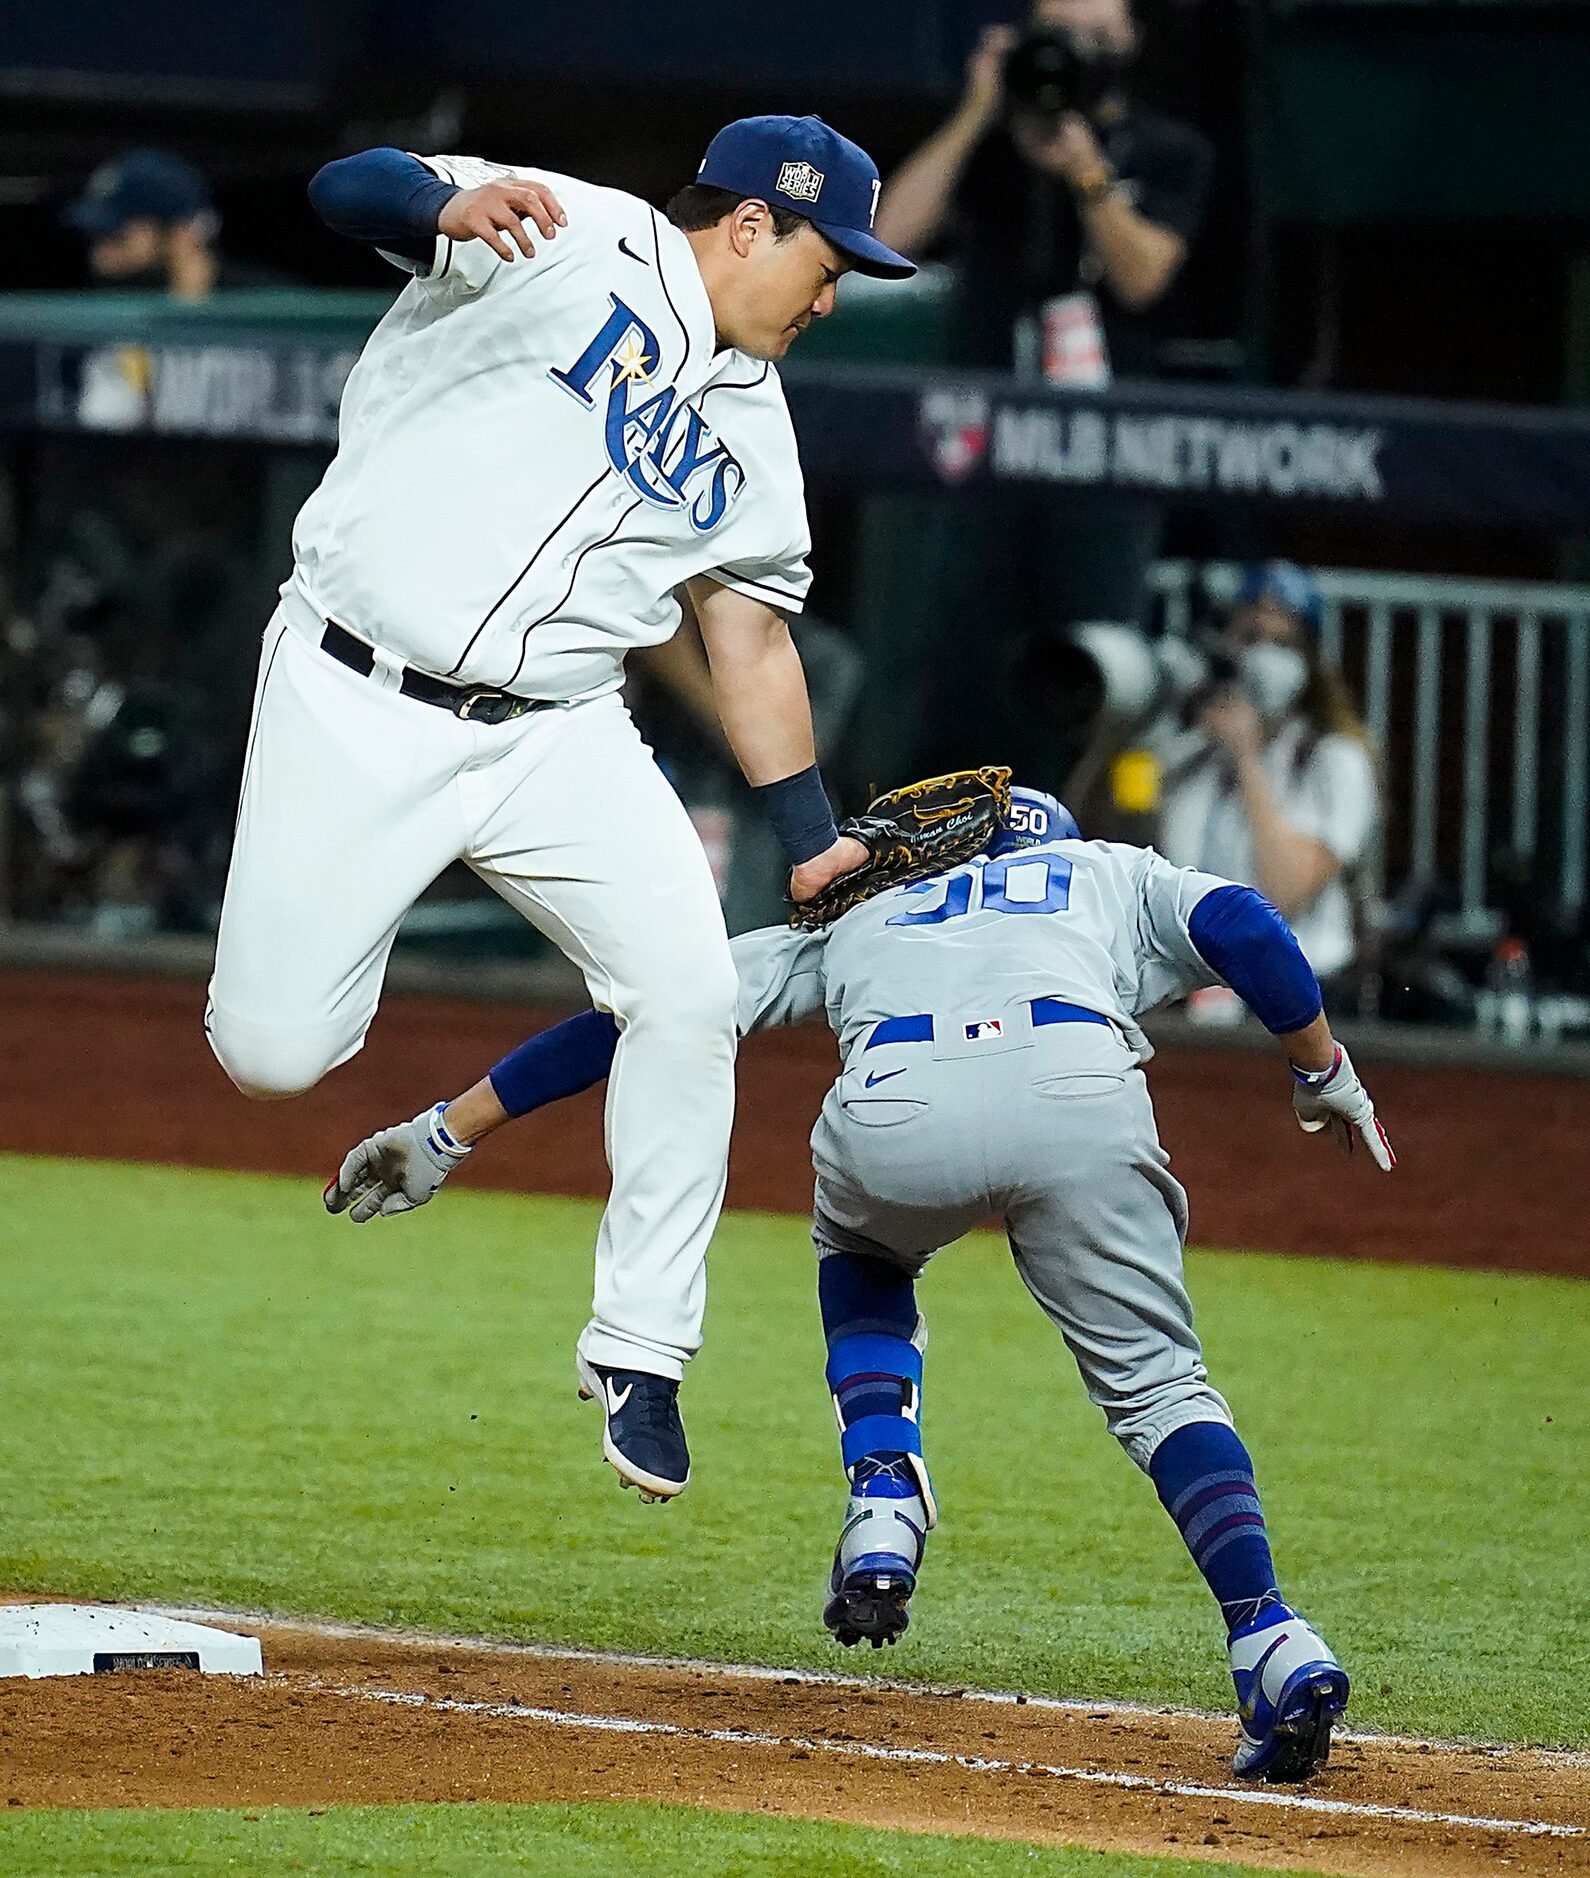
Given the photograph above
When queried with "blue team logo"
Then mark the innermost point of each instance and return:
(665, 450)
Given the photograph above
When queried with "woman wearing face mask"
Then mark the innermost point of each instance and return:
(1278, 789)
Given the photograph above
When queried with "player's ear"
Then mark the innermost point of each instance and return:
(746, 223)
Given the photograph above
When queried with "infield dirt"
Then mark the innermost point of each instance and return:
(360, 1718)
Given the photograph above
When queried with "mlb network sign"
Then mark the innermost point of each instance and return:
(280, 394)
(966, 433)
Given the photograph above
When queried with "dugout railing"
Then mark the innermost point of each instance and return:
(1477, 697)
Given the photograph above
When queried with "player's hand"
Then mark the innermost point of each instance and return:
(1335, 1099)
(844, 857)
(393, 1171)
(494, 213)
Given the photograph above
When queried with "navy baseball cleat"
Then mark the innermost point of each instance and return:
(643, 1438)
(879, 1552)
(1290, 1692)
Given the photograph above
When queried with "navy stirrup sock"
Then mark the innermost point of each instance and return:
(1204, 1479)
(874, 1368)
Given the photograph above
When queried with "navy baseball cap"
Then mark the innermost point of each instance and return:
(1288, 585)
(798, 163)
(139, 185)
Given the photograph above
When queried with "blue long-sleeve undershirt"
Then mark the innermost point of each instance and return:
(385, 197)
(1242, 937)
(556, 1063)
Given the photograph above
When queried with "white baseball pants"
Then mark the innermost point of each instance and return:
(355, 798)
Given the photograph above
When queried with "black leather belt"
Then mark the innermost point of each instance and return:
(476, 704)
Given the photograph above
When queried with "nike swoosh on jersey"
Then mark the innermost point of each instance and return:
(882, 1075)
(615, 1401)
(625, 248)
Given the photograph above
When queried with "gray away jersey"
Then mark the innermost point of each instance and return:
(1096, 923)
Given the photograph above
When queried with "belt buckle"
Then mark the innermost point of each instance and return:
(470, 707)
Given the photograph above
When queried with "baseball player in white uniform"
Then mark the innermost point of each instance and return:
(542, 441)
(987, 1015)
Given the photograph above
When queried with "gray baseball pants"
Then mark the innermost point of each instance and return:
(1052, 1130)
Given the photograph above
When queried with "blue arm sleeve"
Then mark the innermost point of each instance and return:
(385, 197)
(556, 1063)
(1242, 937)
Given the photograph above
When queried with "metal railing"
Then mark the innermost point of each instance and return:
(1477, 696)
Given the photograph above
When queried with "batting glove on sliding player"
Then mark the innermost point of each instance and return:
(395, 1170)
(1334, 1098)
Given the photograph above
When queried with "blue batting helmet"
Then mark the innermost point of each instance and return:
(1034, 819)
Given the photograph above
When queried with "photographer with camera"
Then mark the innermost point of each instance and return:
(1275, 785)
(1071, 204)
(1069, 208)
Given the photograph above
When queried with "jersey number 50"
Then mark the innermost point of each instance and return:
(1015, 883)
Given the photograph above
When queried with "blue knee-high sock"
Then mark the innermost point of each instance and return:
(1204, 1479)
(874, 1369)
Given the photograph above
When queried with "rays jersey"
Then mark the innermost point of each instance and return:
(1096, 923)
(533, 454)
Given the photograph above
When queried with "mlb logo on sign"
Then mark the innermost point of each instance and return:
(985, 1030)
(801, 181)
(953, 426)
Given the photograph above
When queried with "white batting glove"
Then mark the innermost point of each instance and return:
(1334, 1098)
(395, 1170)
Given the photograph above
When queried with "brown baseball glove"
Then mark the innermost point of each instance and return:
(912, 832)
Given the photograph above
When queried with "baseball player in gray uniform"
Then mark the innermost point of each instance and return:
(547, 438)
(987, 1016)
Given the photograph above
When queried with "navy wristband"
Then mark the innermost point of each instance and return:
(798, 808)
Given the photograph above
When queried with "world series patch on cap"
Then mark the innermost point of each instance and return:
(800, 163)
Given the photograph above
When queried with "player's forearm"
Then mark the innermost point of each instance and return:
(385, 197)
(1140, 259)
(564, 1060)
(767, 719)
(475, 1114)
(1292, 866)
(912, 208)
(1312, 1048)
(760, 688)
(557, 1062)
(554, 1063)
(680, 666)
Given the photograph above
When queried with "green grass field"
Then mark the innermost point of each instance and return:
(213, 1392)
(561, 1841)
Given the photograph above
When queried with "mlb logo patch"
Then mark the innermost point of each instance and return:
(985, 1030)
(800, 181)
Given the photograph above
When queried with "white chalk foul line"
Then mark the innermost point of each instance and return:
(940, 1757)
(832, 1678)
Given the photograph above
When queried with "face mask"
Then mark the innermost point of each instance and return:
(1273, 677)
